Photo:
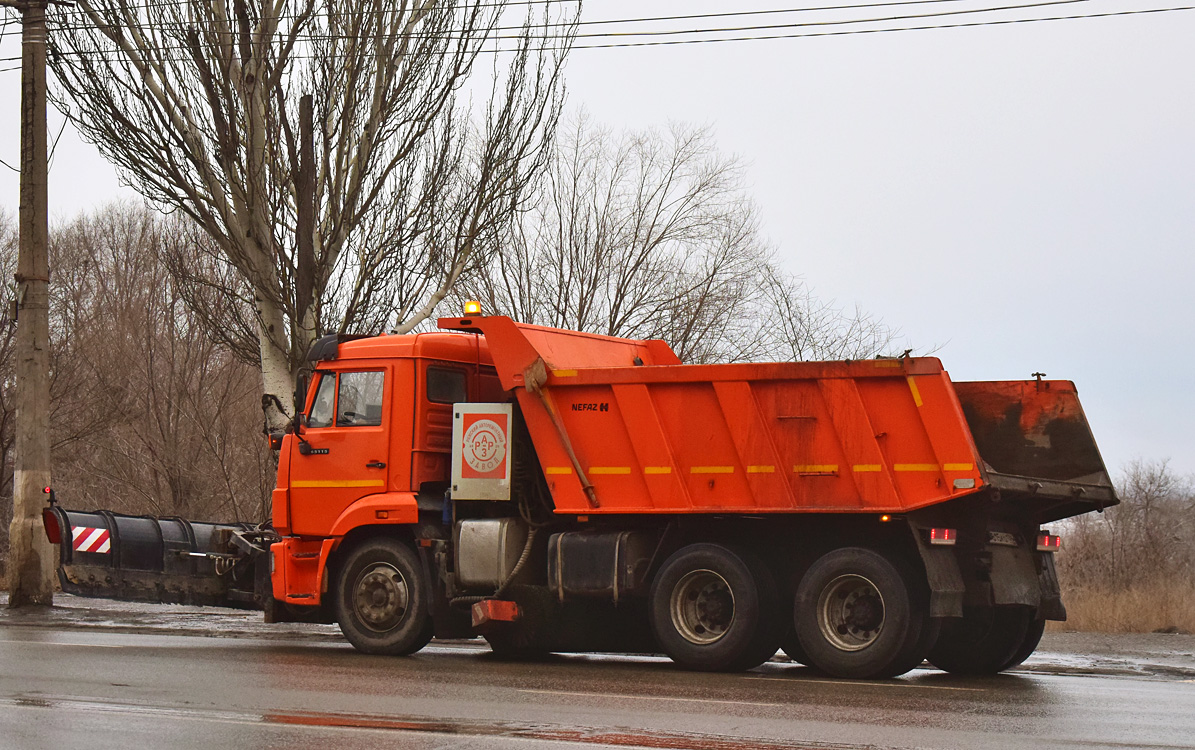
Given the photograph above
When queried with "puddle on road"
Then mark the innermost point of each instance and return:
(547, 733)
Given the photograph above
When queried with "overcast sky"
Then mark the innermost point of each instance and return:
(1021, 197)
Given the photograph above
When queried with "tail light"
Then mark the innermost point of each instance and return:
(1047, 542)
(943, 536)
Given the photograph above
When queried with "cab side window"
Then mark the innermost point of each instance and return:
(325, 400)
(359, 399)
(446, 386)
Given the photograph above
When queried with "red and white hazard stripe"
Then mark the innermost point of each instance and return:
(91, 540)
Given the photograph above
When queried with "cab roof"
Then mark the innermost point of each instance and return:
(442, 345)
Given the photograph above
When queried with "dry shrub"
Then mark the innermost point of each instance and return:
(1132, 568)
(1168, 607)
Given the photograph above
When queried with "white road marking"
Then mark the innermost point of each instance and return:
(799, 680)
(64, 643)
(649, 697)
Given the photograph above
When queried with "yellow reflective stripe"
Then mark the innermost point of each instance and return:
(609, 469)
(564, 373)
(657, 469)
(712, 470)
(761, 469)
(558, 470)
(915, 467)
(913, 388)
(887, 363)
(337, 483)
(866, 467)
(958, 467)
(815, 468)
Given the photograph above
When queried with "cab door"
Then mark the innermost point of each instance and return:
(347, 441)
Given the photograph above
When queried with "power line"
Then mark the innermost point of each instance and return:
(723, 30)
(853, 6)
(838, 22)
(645, 19)
(750, 38)
(973, 24)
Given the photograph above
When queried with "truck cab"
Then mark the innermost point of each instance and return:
(374, 437)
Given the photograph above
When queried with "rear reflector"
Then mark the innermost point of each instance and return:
(50, 521)
(1047, 542)
(942, 536)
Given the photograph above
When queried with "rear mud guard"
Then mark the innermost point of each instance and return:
(946, 586)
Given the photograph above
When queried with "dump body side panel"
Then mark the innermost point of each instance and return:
(889, 435)
(873, 436)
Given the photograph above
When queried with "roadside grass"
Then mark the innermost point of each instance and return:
(1156, 607)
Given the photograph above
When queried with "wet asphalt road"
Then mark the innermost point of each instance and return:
(62, 688)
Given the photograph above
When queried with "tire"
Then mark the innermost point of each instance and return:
(528, 637)
(381, 599)
(1033, 636)
(714, 609)
(860, 615)
(985, 640)
(773, 622)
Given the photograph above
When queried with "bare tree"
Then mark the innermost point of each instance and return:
(1132, 567)
(8, 261)
(198, 104)
(150, 415)
(652, 235)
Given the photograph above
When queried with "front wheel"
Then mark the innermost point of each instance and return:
(381, 598)
(861, 615)
(714, 609)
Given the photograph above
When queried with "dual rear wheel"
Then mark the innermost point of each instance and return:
(715, 608)
(856, 613)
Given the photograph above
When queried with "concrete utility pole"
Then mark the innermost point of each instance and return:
(31, 557)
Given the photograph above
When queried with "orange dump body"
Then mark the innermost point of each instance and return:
(619, 426)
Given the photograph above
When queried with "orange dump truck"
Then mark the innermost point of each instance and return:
(560, 491)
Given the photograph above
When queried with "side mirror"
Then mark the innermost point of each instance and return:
(301, 384)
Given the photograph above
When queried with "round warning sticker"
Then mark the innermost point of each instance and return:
(485, 446)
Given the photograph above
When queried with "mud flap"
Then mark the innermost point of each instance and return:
(1014, 577)
(946, 587)
(1051, 593)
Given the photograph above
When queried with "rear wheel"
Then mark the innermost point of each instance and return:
(859, 614)
(714, 609)
(985, 640)
(381, 598)
(1032, 637)
(527, 637)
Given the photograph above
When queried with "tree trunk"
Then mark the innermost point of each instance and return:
(277, 377)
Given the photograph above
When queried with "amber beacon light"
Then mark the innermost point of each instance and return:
(472, 307)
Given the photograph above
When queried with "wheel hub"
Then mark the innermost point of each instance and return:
(702, 607)
(851, 612)
(380, 597)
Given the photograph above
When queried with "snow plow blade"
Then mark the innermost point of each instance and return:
(161, 560)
